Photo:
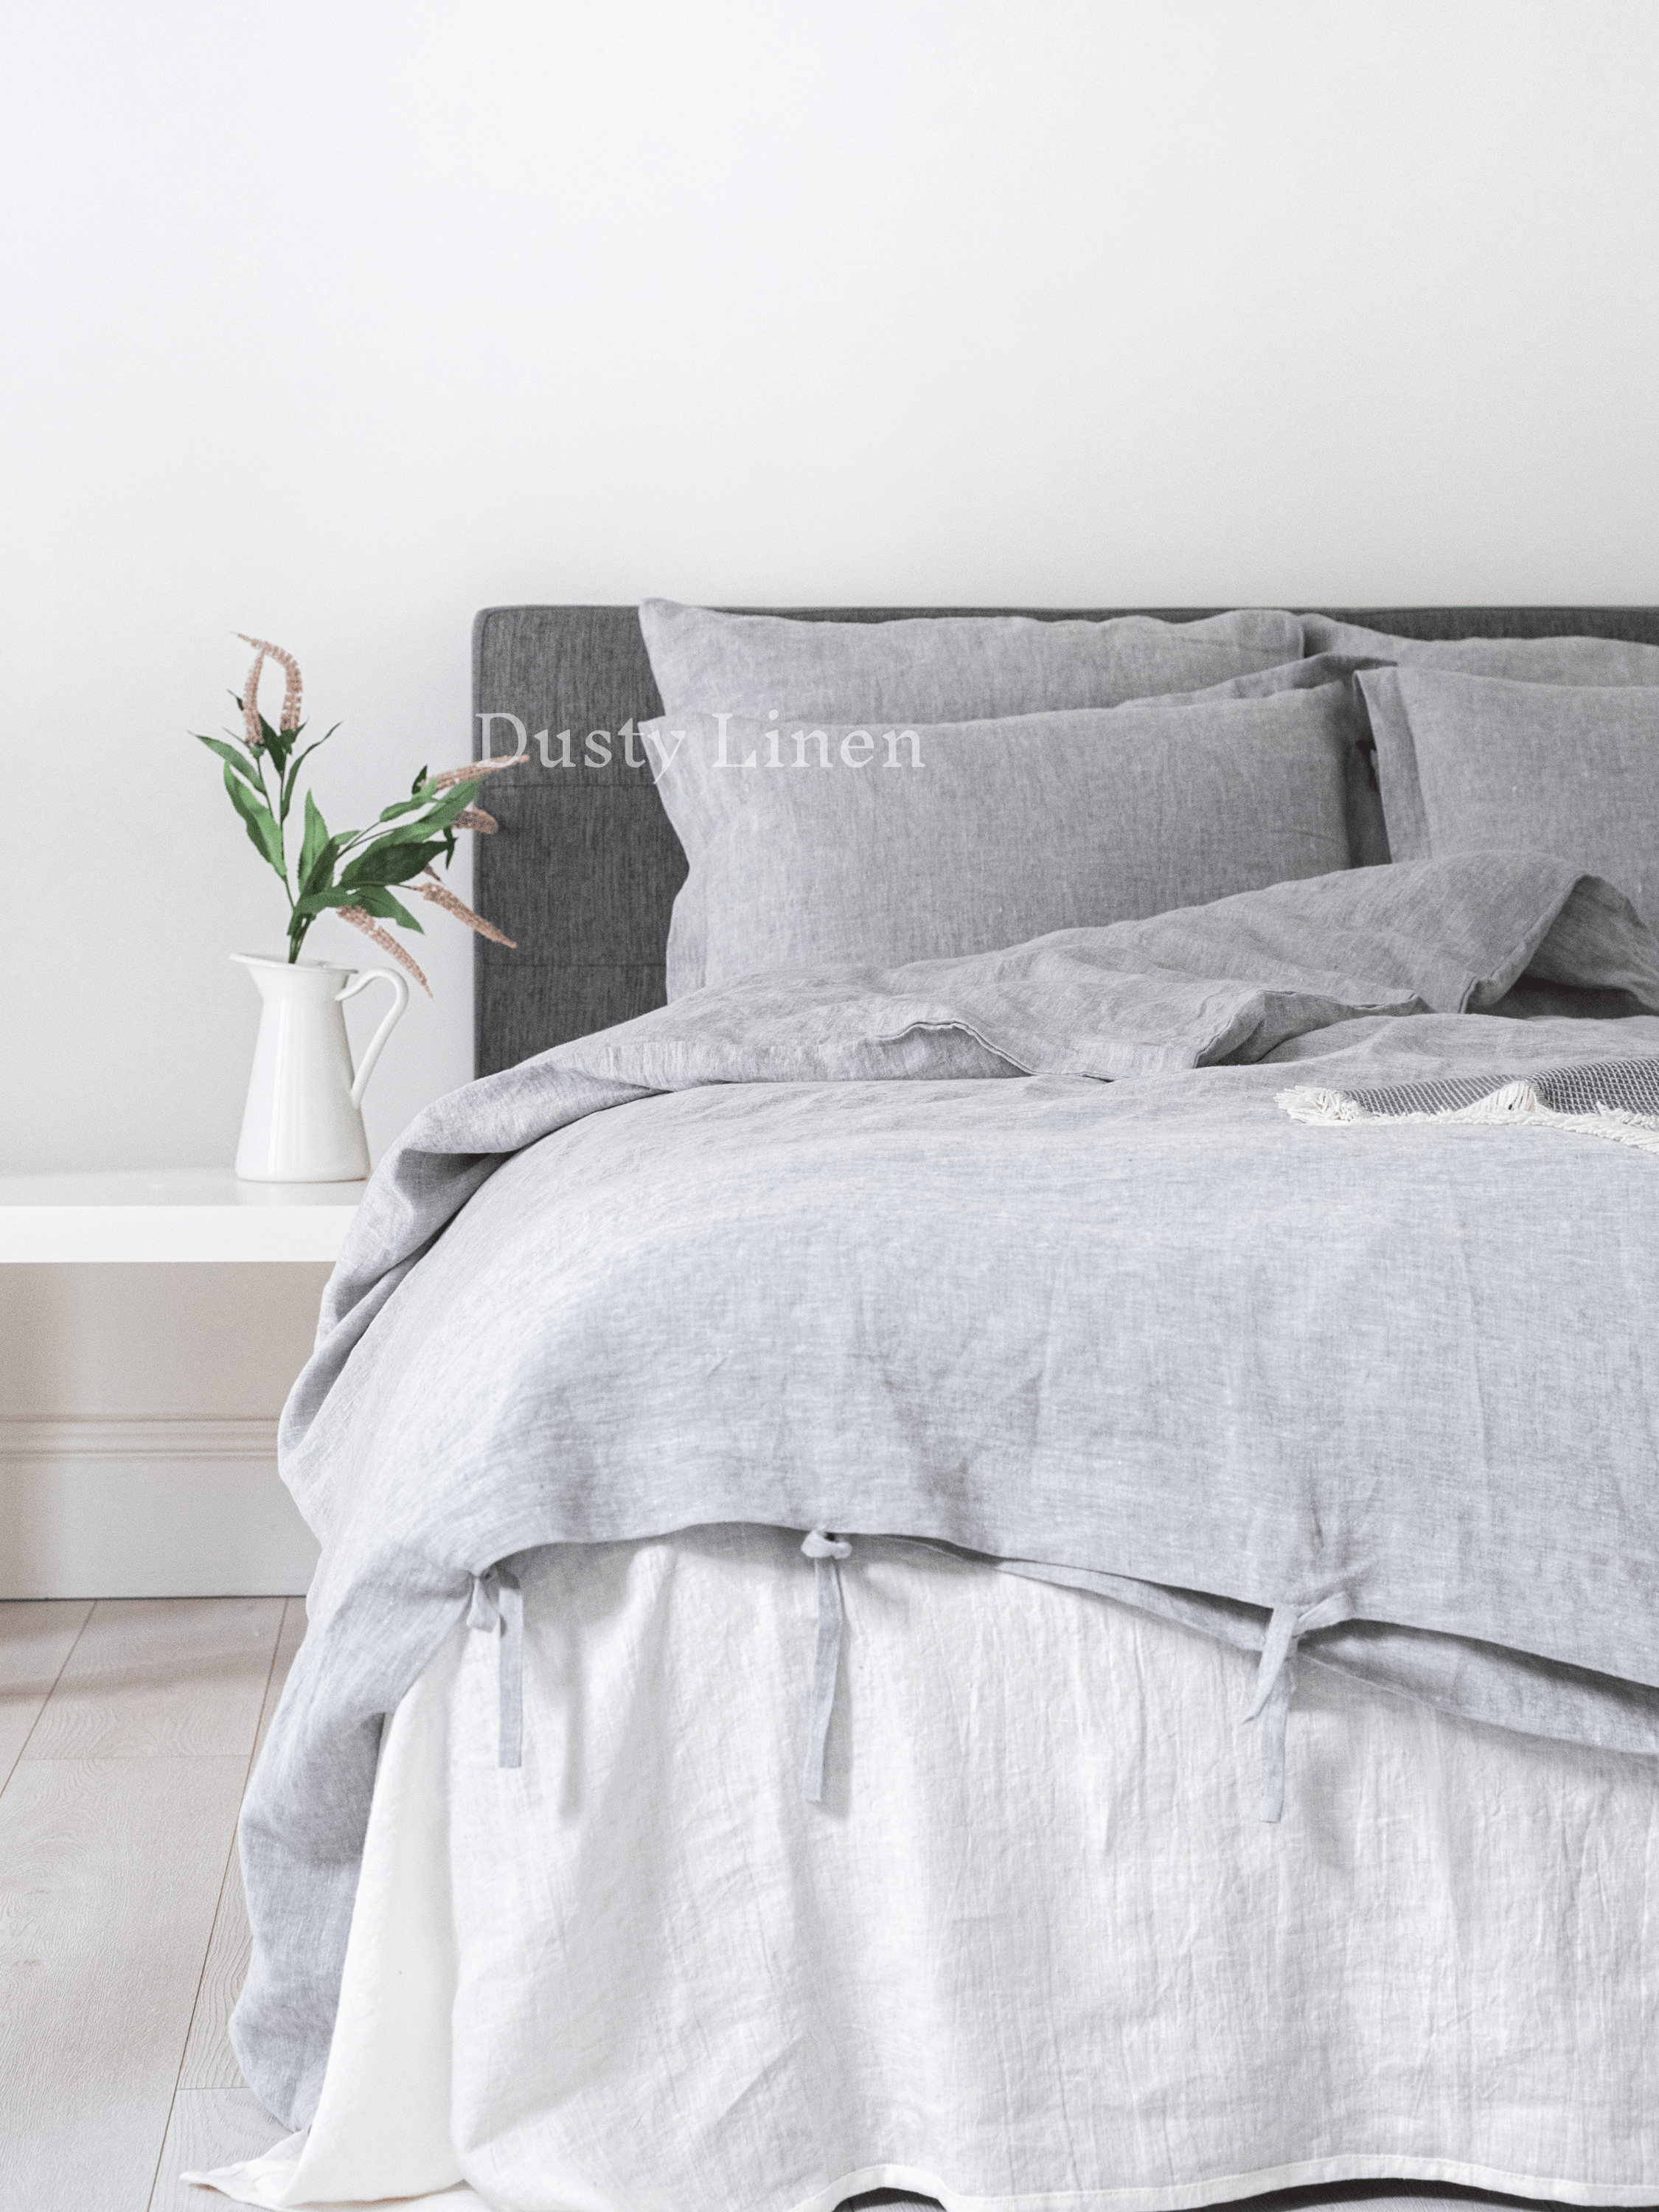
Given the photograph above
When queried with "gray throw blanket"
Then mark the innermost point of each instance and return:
(1617, 1100)
(1015, 1254)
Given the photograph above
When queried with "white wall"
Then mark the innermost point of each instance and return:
(334, 322)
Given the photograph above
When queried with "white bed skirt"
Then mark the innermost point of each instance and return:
(1034, 1952)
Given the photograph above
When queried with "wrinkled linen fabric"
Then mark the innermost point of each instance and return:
(1467, 763)
(1367, 834)
(821, 846)
(814, 1252)
(945, 668)
(1033, 1951)
(1596, 661)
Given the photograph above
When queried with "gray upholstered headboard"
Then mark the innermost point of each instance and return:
(585, 868)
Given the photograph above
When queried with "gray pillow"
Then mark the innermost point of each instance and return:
(1472, 762)
(1368, 835)
(943, 668)
(887, 842)
(1525, 659)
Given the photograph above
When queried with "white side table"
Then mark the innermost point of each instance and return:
(170, 1213)
(150, 1508)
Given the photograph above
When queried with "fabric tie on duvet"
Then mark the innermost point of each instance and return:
(1275, 1685)
(825, 1552)
(498, 1609)
(1275, 1681)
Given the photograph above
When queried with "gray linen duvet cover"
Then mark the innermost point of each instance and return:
(1015, 1252)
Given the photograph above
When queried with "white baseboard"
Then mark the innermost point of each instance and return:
(148, 1509)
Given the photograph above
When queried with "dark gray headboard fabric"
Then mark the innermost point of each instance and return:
(584, 869)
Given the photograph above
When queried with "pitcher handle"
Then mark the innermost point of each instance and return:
(399, 1000)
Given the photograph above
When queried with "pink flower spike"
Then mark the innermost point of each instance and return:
(384, 938)
(430, 888)
(469, 774)
(289, 721)
(250, 700)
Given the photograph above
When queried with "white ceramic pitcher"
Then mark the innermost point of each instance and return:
(303, 1122)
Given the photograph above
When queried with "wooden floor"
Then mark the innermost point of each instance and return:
(127, 1728)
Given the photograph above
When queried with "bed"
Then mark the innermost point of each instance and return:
(994, 1575)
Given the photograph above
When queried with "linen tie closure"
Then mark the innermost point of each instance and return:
(497, 1608)
(825, 1552)
(1275, 1684)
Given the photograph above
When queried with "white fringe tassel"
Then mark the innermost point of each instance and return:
(1515, 1106)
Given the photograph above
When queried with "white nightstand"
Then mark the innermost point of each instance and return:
(170, 1213)
(179, 1507)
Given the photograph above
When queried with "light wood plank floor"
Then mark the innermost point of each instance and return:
(127, 1732)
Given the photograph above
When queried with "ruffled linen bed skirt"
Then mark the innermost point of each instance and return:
(1033, 1952)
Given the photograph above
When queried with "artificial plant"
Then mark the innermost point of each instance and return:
(351, 871)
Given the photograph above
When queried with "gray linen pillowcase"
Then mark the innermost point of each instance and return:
(945, 668)
(1590, 660)
(1367, 834)
(1469, 763)
(1008, 828)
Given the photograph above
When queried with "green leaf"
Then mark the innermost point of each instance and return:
(445, 806)
(320, 874)
(448, 805)
(392, 860)
(418, 781)
(402, 806)
(279, 744)
(375, 899)
(316, 902)
(236, 756)
(316, 838)
(292, 776)
(267, 838)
